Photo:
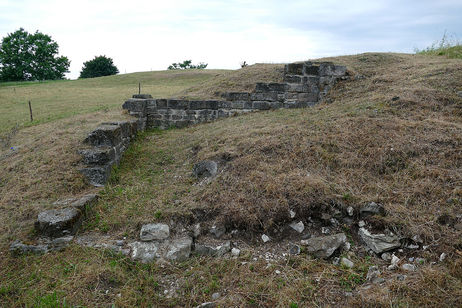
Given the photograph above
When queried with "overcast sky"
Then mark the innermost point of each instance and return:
(149, 35)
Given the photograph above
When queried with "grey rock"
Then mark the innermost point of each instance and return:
(370, 209)
(206, 168)
(265, 238)
(98, 155)
(59, 222)
(386, 256)
(459, 93)
(97, 175)
(298, 226)
(401, 277)
(18, 248)
(85, 201)
(442, 257)
(61, 242)
(215, 296)
(180, 249)
(324, 246)
(235, 252)
(196, 230)
(223, 249)
(347, 262)
(420, 261)
(152, 232)
(144, 251)
(120, 242)
(325, 230)
(204, 250)
(372, 273)
(350, 211)
(408, 267)
(142, 96)
(294, 250)
(379, 242)
(292, 214)
(217, 230)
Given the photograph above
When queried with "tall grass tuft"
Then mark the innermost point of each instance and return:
(449, 47)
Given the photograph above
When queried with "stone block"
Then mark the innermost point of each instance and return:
(277, 87)
(237, 96)
(330, 69)
(224, 105)
(83, 202)
(307, 97)
(97, 175)
(261, 87)
(144, 252)
(177, 104)
(57, 223)
(293, 69)
(105, 135)
(142, 96)
(180, 123)
(312, 81)
(264, 105)
(180, 249)
(98, 156)
(292, 79)
(298, 87)
(161, 103)
(310, 70)
(135, 105)
(156, 231)
(264, 96)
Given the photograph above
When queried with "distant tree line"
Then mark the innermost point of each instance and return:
(187, 64)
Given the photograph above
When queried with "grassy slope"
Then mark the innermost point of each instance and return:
(359, 146)
(55, 100)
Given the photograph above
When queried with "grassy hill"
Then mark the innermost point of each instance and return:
(392, 134)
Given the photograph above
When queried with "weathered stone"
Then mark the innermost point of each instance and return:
(152, 232)
(59, 222)
(379, 242)
(85, 201)
(97, 175)
(298, 226)
(207, 305)
(372, 273)
(265, 238)
(18, 248)
(144, 251)
(215, 296)
(459, 93)
(370, 209)
(204, 250)
(237, 96)
(324, 246)
(61, 242)
(142, 96)
(292, 79)
(294, 249)
(294, 68)
(329, 69)
(180, 249)
(310, 69)
(223, 249)
(350, 211)
(347, 262)
(105, 135)
(206, 168)
(264, 96)
(408, 267)
(235, 252)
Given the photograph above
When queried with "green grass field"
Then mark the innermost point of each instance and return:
(53, 100)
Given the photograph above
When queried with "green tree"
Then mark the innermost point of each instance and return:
(99, 66)
(25, 56)
(186, 64)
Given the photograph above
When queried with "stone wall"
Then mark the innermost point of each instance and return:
(105, 146)
(305, 84)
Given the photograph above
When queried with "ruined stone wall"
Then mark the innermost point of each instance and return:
(305, 84)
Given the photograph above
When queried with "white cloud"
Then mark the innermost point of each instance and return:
(142, 35)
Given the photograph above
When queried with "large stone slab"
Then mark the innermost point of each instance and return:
(97, 175)
(58, 222)
(105, 135)
(151, 232)
(180, 249)
(324, 246)
(379, 242)
(144, 251)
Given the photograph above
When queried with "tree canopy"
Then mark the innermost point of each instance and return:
(25, 56)
(187, 64)
(99, 66)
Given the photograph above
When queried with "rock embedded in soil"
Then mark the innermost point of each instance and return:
(347, 263)
(324, 246)
(379, 242)
(350, 211)
(298, 226)
(205, 169)
(235, 252)
(371, 209)
(144, 251)
(151, 232)
(294, 250)
(18, 248)
(180, 249)
(408, 267)
(265, 238)
(58, 222)
(217, 230)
